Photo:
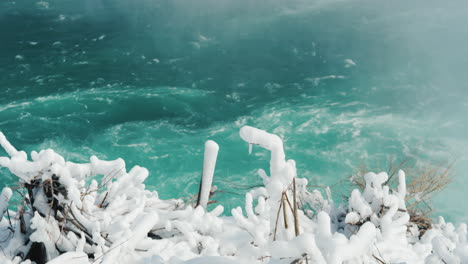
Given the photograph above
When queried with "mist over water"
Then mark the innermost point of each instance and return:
(342, 82)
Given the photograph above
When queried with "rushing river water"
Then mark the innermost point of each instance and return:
(342, 82)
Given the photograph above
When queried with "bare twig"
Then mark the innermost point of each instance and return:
(277, 218)
(285, 215)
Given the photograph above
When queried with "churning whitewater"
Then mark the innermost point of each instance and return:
(343, 87)
(343, 83)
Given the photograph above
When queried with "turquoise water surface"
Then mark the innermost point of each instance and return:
(342, 82)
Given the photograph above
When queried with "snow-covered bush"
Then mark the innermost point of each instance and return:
(65, 215)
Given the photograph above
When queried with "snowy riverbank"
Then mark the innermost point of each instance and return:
(64, 217)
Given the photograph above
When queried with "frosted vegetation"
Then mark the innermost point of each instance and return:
(98, 212)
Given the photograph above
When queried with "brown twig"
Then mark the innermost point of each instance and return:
(103, 200)
(277, 218)
(378, 259)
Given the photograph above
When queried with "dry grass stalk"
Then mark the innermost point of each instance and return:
(378, 259)
(284, 202)
(277, 217)
(424, 182)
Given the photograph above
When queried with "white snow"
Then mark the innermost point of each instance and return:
(107, 216)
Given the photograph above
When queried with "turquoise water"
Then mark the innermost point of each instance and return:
(342, 82)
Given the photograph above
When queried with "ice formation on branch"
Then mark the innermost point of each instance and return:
(98, 212)
(209, 163)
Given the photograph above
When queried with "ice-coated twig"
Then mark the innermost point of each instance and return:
(209, 163)
(268, 141)
(4, 198)
(6, 145)
(296, 217)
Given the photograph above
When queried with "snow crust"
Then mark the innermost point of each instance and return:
(100, 212)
